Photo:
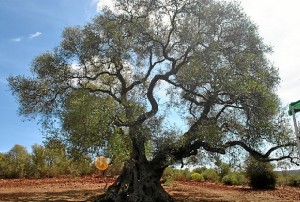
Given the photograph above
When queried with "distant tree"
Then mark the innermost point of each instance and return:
(56, 159)
(38, 161)
(18, 160)
(52, 160)
(81, 166)
(3, 165)
(200, 59)
(222, 168)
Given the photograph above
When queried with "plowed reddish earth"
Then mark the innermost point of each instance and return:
(85, 188)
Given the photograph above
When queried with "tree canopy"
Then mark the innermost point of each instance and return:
(137, 64)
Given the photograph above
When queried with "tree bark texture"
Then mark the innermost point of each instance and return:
(137, 183)
(140, 178)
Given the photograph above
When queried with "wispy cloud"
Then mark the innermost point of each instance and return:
(31, 36)
(19, 39)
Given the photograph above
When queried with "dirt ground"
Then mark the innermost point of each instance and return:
(85, 188)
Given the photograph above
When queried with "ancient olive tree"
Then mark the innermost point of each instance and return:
(201, 59)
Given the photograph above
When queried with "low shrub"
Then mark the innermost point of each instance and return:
(182, 175)
(168, 175)
(233, 179)
(210, 175)
(241, 179)
(171, 174)
(261, 174)
(197, 177)
(199, 170)
(284, 178)
(293, 180)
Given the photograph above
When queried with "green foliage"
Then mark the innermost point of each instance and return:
(94, 115)
(171, 174)
(3, 166)
(234, 178)
(118, 150)
(81, 166)
(222, 168)
(182, 175)
(197, 177)
(288, 179)
(294, 181)
(260, 174)
(38, 157)
(56, 158)
(199, 170)
(211, 175)
(18, 160)
(168, 175)
(50, 160)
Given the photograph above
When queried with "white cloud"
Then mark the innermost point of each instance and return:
(278, 23)
(105, 3)
(31, 36)
(19, 39)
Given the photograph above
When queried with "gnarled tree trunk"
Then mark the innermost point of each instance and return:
(137, 183)
(140, 178)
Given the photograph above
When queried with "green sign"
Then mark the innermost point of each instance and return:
(296, 106)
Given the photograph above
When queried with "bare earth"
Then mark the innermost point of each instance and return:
(85, 188)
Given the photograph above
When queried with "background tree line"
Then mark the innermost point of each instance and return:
(53, 160)
(49, 160)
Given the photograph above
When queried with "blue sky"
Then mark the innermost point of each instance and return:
(31, 27)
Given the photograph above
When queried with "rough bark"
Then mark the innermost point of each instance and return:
(137, 183)
(140, 178)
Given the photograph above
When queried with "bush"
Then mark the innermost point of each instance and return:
(233, 179)
(199, 170)
(261, 174)
(294, 183)
(211, 175)
(182, 175)
(171, 174)
(241, 179)
(293, 180)
(197, 177)
(168, 175)
(224, 169)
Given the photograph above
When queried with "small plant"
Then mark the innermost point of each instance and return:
(293, 180)
(199, 170)
(211, 175)
(182, 175)
(168, 175)
(233, 179)
(197, 177)
(261, 174)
